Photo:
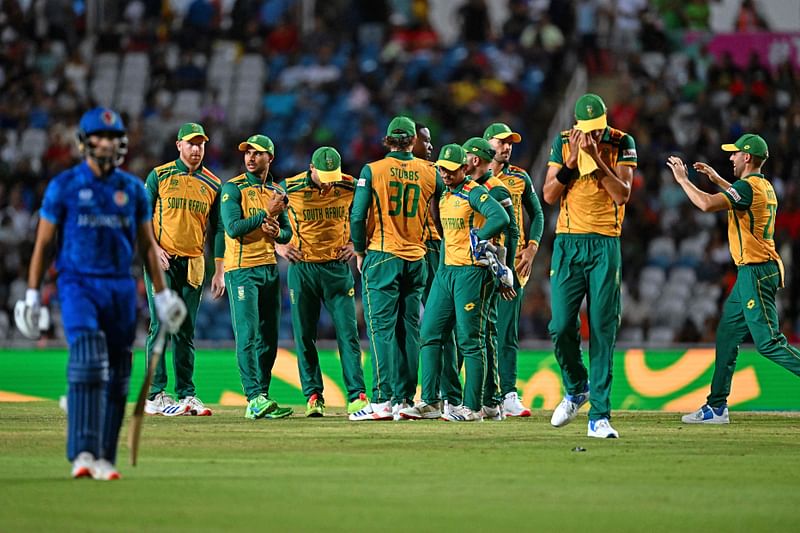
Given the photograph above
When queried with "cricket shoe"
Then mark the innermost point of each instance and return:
(279, 412)
(512, 406)
(163, 404)
(358, 404)
(102, 470)
(422, 410)
(373, 411)
(82, 465)
(194, 406)
(568, 409)
(708, 415)
(315, 406)
(396, 408)
(601, 429)
(259, 406)
(493, 412)
(462, 413)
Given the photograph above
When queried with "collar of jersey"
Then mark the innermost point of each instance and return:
(405, 156)
(183, 168)
(460, 186)
(756, 174)
(482, 179)
(252, 179)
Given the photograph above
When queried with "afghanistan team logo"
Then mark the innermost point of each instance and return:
(108, 117)
(121, 198)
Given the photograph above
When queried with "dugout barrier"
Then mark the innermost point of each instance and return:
(664, 379)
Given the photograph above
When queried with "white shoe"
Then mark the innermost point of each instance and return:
(102, 470)
(493, 413)
(567, 410)
(422, 410)
(462, 413)
(601, 429)
(399, 407)
(373, 411)
(512, 406)
(163, 404)
(82, 465)
(708, 415)
(194, 406)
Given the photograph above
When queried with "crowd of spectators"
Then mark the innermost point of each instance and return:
(336, 76)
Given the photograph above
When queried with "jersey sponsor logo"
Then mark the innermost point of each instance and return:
(469, 307)
(103, 221)
(85, 196)
(121, 198)
(629, 153)
(734, 194)
(361, 182)
(751, 304)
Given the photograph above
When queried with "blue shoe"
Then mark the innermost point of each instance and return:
(708, 415)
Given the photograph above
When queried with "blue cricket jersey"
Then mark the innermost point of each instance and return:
(98, 220)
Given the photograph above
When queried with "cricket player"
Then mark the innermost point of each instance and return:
(184, 196)
(590, 171)
(253, 214)
(480, 155)
(397, 191)
(462, 289)
(752, 206)
(319, 271)
(95, 215)
(524, 198)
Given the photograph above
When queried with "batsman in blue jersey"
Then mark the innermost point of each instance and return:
(95, 215)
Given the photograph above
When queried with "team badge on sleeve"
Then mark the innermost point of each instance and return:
(629, 153)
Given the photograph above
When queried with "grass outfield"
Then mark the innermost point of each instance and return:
(227, 473)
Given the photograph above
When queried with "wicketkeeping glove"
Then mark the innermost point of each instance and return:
(498, 266)
(479, 247)
(170, 309)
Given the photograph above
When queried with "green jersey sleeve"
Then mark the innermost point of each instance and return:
(496, 218)
(358, 216)
(627, 151)
(740, 194)
(232, 216)
(556, 156)
(151, 186)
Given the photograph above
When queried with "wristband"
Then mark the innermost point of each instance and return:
(32, 297)
(565, 175)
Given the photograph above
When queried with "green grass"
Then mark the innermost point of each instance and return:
(298, 474)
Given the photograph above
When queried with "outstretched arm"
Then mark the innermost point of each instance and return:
(704, 201)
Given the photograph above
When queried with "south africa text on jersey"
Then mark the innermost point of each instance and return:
(194, 206)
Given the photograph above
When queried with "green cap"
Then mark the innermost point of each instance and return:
(328, 163)
(451, 157)
(190, 130)
(590, 112)
(401, 127)
(749, 143)
(498, 130)
(480, 147)
(258, 142)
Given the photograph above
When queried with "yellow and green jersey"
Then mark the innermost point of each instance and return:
(586, 207)
(499, 192)
(751, 221)
(395, 192)
(523, 198)
(431, 233)
(243, 209)
(467, 206)
(320, 222)
(185, 204)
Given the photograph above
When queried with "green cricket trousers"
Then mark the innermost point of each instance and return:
(450, 381)
(750, 309)
(331, 284)
(586, 265)
(183, 340)
(459, 299)
(255, 297)
(392, 293)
